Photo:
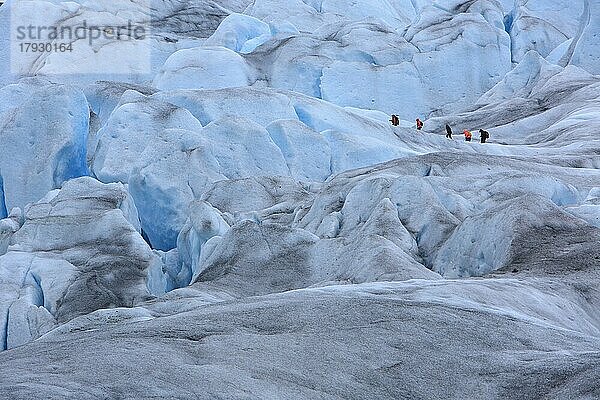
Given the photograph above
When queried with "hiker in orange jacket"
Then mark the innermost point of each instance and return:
(468, 135)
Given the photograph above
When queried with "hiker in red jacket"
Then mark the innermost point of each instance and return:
(419, 124)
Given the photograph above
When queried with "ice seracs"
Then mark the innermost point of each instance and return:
(78, 250)
(44, 134)
(203, 68)
(542, 25)
(585, 46)
(240, 33)
(307, 153)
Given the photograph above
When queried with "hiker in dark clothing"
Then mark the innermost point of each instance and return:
(395, 120)
(485, 135)
(448, 131)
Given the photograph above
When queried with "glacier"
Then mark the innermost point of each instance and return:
(222, 209)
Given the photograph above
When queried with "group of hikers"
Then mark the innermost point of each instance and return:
(484, 135)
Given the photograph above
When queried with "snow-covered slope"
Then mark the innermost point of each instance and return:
(223, 210)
